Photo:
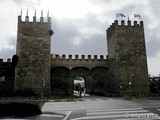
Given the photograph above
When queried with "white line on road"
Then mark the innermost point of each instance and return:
(67, 115)
(119, 109)
(97, 117)
(50, 115)
(113, 112)
(140, 118)
(122, 116)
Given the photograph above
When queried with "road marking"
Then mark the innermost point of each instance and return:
(112, 109)
(121, 116)
(98, 117)
(115, 112)
(50, 115)
(67, 115)
(140, 118)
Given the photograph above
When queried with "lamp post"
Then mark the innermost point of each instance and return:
(43, 84)
(79, 84)
(130, 89)
(121, 91)
(130, 84)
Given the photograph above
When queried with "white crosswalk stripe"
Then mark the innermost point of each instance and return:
(104, 109)
(115, 113)
(123, 114)
(96, 99)
(110, 111)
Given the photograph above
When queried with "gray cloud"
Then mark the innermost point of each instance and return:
(9, 52)
(67, 30)
(27, 2)
(152, 47)
(64, 31)
(86, 34)
(6, 53)
(95, 45)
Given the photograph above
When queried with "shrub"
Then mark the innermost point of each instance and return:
(19, 109)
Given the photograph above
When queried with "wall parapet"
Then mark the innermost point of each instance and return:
(126, 23)
(34, 19)
(79, 61)
(3, 61)
(122, 23)
(79, 57)
(41, 20)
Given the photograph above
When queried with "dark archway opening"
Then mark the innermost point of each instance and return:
(80, 72)
(97, 81)
(101, 83)
(60, 85)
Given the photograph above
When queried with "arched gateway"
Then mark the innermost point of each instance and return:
(64, 71)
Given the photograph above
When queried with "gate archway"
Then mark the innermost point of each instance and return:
(59, 83)
(81, 72)
(96, 80)
(101, 83)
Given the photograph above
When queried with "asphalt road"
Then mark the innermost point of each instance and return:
(104, 108)
(100, 108)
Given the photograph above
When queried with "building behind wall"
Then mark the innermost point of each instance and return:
(33, 51)
(127, 56)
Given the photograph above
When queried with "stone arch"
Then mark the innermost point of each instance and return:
(101, 82)
(59, 83)
(80, 72)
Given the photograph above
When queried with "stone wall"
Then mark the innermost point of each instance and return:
(127, 55)
(33, 50)
(84, 61)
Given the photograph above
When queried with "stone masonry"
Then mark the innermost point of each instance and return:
(71, 63)
(33, 51)
(126, 61)
(127, 56)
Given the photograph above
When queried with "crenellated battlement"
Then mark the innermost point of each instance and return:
(87, 61)
(4, 61)
(34, 19)
(123, 24)
(79, 57)
(126, 23)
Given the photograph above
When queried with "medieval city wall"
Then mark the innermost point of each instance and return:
(127, 55)
(79, 61)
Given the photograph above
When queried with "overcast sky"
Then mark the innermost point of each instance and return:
(80, 25)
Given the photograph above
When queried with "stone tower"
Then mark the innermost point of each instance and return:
(33, 51)
(127, 56)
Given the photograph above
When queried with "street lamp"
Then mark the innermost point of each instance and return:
(43, 85)
(121, 91)
(130, 83)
